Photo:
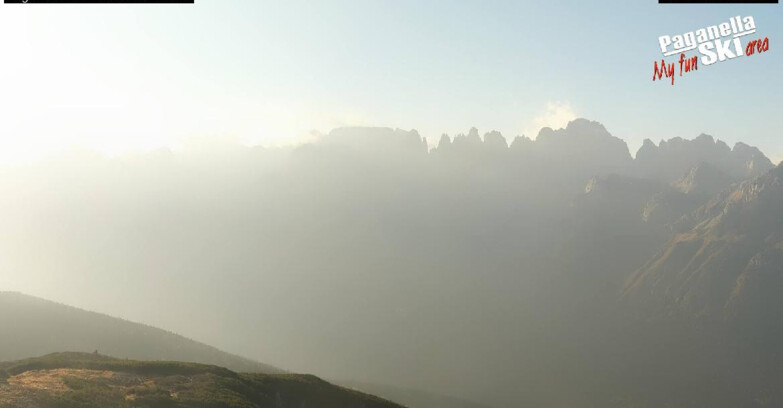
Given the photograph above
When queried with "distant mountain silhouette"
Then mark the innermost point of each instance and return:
(670, 159)
(374, 141)
(584, 147)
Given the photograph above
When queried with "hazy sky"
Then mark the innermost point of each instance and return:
(118, 78)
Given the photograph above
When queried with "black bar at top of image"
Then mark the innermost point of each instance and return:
(99, 1)
(717, 1)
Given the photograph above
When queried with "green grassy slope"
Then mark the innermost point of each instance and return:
(77, 380)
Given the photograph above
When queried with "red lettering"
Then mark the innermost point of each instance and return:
(757, 46)
(658, 72)
(688, 64)
(663, 70)
(751, 48)
(682, 59)
(692, 64)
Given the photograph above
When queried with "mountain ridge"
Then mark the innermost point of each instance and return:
(706, 268)
(506, 260)
(82, 329)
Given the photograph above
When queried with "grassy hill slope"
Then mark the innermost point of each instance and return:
(78, 380)
(34, 327)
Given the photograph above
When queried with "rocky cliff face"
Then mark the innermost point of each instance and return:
(725, 261)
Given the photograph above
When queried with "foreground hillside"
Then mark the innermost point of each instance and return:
(33, 327)
(71, 380)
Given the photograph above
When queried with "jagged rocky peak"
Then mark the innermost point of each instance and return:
(752, 160)
(472, 143)
(472, 139)
(586, 146)
(706, 141)
(577, 129)
(671, 158)
(521, 143)
(376, 140)
(588, 128)
(495, 140)
(444, 143)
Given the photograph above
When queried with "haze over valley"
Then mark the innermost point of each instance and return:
(555, 271)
